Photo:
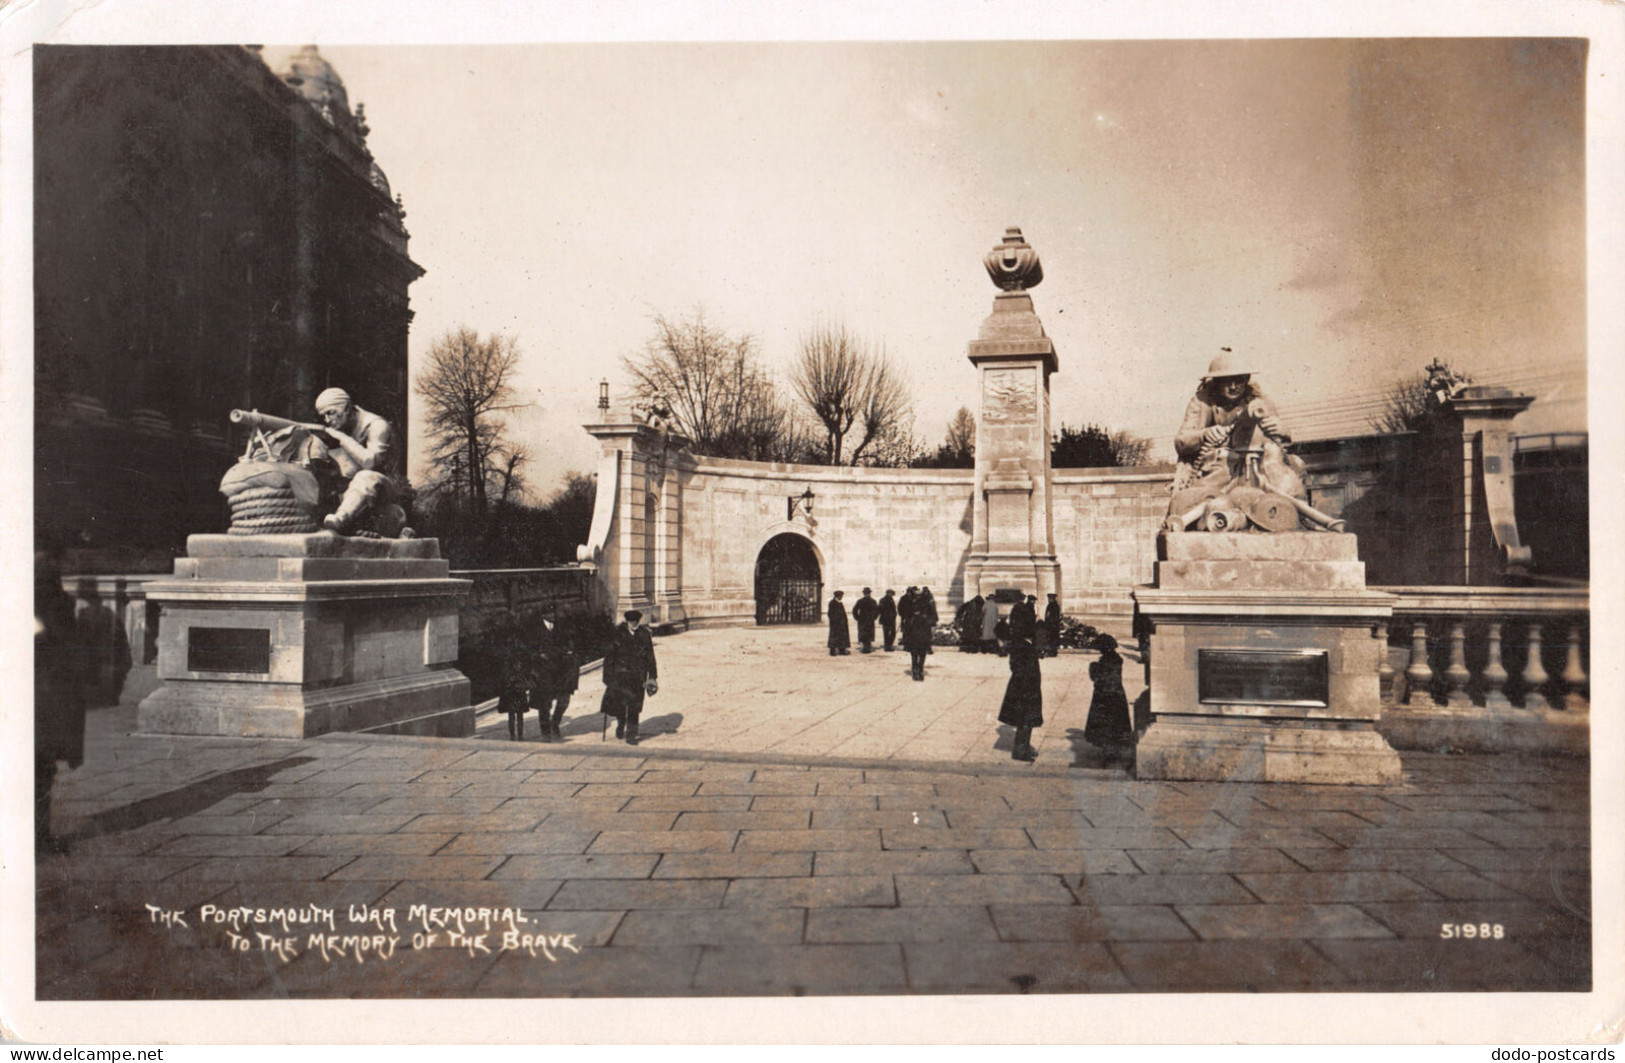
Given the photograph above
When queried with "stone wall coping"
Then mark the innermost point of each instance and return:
(514, 573)
(1156, 602)
(104, 583)
(1490, 600)
(1125, 474)
(763, 470)
(241, 591)
(856, 475)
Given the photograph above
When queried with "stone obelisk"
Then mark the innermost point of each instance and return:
(1013, 541)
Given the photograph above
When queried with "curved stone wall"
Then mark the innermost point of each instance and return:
(679, 536)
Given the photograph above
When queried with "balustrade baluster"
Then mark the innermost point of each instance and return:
(1418, 676)
(1456, 676)
(1495, 674)
(1574, 677)
(1534, 673)
(1385, 667)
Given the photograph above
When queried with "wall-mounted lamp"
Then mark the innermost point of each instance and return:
(804, 500)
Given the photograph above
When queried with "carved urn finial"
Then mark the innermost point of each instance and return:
(1013, 264)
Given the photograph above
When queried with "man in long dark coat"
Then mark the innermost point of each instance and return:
(558, 676)
(1052, 627)
(970, 625)
(905, 607)
(629, 674)
(840, 636)
(888, 618)
(928, 606)
(864, 611)
(917, 640)
(1024, 619)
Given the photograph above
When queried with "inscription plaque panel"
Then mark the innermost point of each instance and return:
(1263, 677)
(229, 649)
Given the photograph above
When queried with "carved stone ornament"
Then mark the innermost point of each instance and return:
(1013, 264)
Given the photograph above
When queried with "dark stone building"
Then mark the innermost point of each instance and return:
(209, 234)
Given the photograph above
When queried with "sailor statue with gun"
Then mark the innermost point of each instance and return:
(352, 446)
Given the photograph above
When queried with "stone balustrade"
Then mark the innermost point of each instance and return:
(1488, 668)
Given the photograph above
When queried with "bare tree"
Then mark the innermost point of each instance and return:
(962, 432)
(958, 450)
(466, 387)
(1129, 449)
(853, 390)
(720, 397)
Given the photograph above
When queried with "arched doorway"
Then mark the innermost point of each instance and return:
(789, 588)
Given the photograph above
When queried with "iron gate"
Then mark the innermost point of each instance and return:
(789, 589)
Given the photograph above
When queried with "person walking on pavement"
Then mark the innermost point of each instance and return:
(518, 680)
(558, 677)
(864, 611)
(840, 636)
(60, 665)
(1023, 706)
(928, 606)
(917, 639)
(1109, 725)
(1052, 627)
(629, 674)
(905, 608)
(888, 618)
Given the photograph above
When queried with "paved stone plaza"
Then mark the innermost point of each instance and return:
(795, 824)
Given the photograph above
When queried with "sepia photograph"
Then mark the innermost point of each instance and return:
(629, 512)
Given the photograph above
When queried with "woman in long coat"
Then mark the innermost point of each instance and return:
(1023, 706)
(917, 640)
(1109, 725)
(840, 636)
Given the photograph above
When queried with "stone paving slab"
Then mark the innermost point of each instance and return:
(705, 862)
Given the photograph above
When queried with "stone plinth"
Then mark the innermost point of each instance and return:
(296, 635)
(1264, 658)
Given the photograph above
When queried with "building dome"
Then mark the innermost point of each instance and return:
(315, 79)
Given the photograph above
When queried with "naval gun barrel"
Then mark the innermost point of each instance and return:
(263, 421)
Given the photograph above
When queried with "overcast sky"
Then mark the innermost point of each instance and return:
(1339, 212)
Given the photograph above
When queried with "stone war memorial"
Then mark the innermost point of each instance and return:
(1264, 643)
(318, 610)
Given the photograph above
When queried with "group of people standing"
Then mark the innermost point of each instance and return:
(982, 631)
(1109, 724)
(916, 612)
(1021, 637)
(545, 672)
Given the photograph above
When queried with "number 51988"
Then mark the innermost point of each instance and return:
(1452, 931)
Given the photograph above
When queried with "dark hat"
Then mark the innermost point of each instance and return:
(633, 616)
(866, 590)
